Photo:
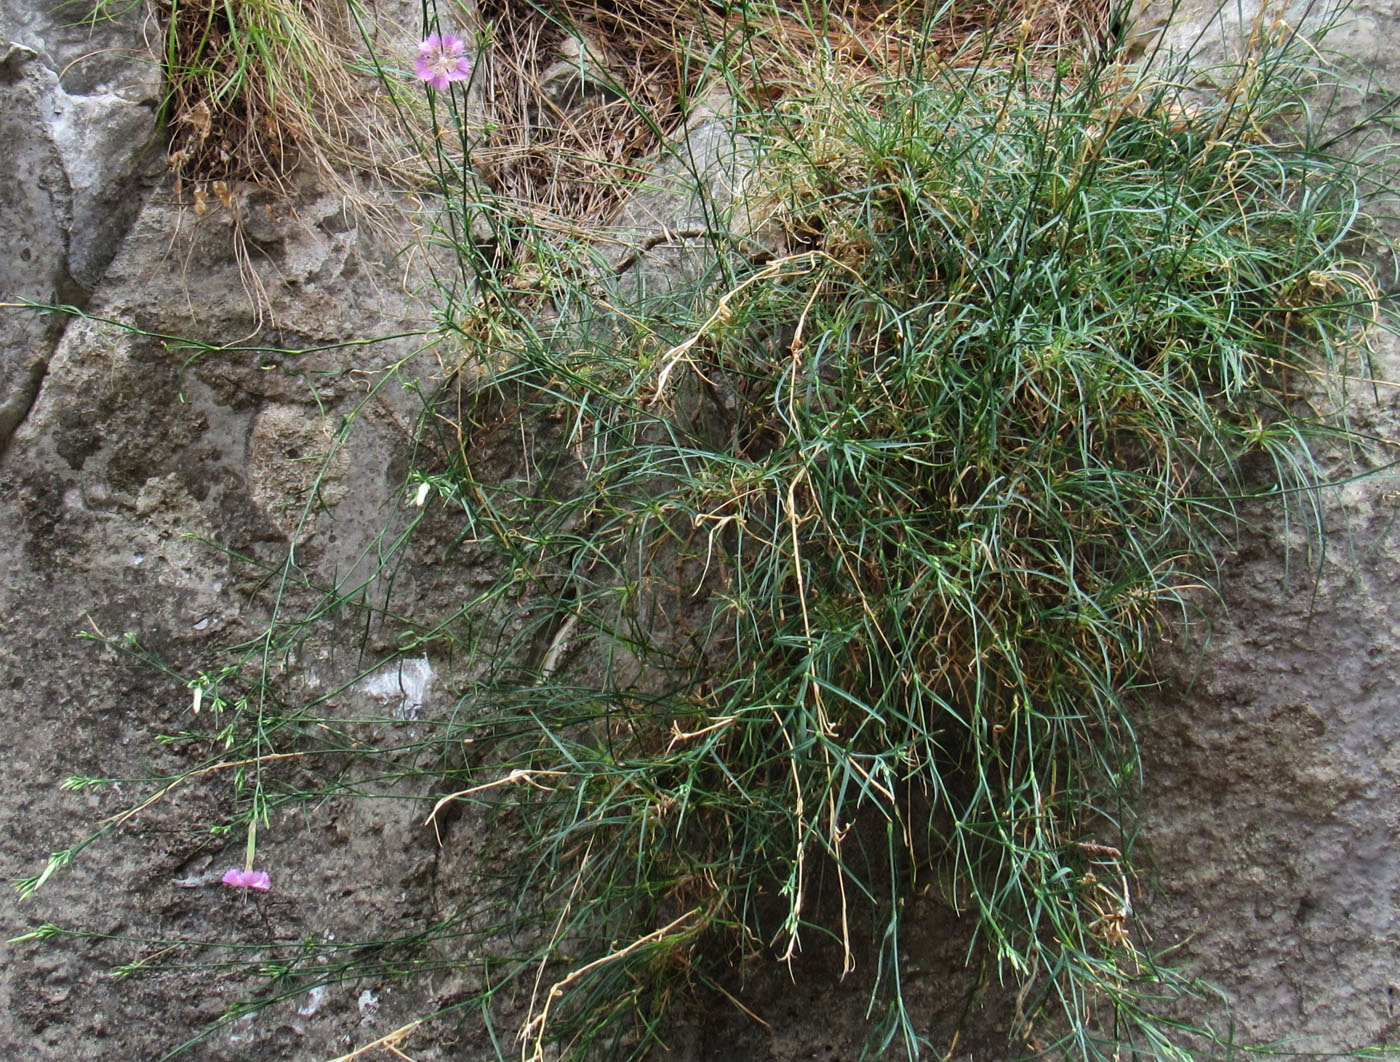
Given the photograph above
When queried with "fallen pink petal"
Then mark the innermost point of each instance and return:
(247, 879)
(442, 60)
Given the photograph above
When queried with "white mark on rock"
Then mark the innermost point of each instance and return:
(196, 881)
(314, 999)
(242, 1030)
(369, 1003)
(404, 681)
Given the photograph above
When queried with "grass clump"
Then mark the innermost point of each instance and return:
(854, 579)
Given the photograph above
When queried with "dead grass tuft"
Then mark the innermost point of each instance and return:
(259, 89)
(579, 95)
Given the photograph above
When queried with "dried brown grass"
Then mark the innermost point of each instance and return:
(577, 166)
(257, 90)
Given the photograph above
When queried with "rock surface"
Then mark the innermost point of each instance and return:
(1272, 765)
(77, 116)
(130, 456)
(1272, 757)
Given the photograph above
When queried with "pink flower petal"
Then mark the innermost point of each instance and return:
(442, 60)
(247, 879)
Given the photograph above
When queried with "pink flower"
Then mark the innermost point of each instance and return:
(442, 59)
(247, 879)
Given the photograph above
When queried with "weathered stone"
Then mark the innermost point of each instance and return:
(77, 117)
(1271, 777)
(143, 467)
(696, 205)
(1271, 765)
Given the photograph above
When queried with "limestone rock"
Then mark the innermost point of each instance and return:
(77, 118)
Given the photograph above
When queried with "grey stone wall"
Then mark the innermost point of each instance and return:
(1273, 757)
(1273, 768)
(77, 109)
